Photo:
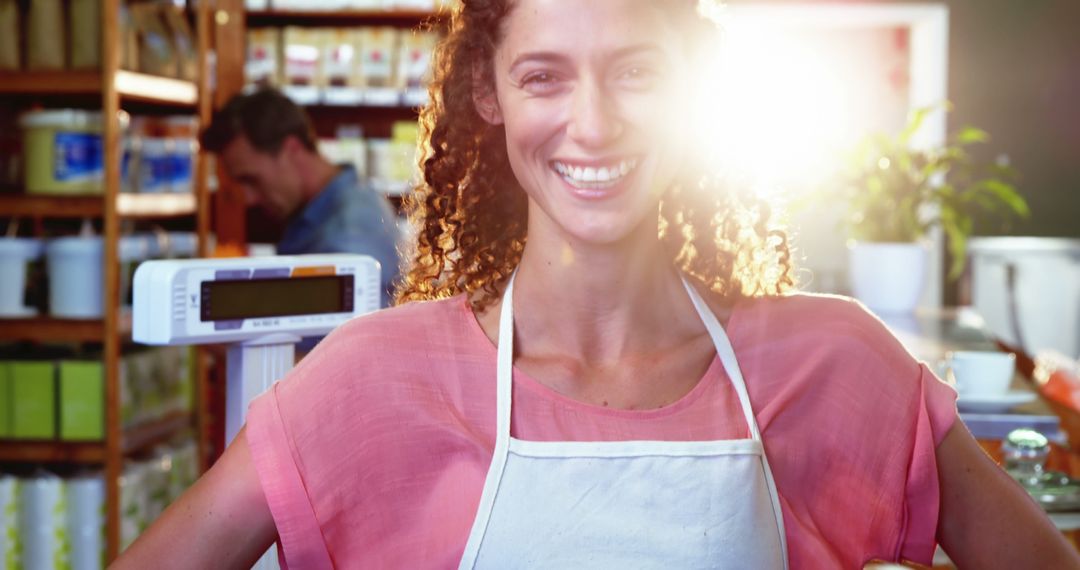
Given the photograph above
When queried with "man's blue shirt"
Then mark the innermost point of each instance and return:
(347, 217)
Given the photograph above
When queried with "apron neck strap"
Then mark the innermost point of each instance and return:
(505, 359)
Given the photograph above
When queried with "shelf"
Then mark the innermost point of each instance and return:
(129, 84)
(18, 451)
(156, 205)
(45, 329)
(135, 439)
(127, 206)
(148, 434)
(399, 18)
(154, 89)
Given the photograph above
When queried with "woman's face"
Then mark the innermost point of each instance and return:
(587, 93)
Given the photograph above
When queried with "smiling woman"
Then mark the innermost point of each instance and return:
(603, 367)
(618, 108)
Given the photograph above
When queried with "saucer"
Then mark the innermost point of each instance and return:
(995, 403)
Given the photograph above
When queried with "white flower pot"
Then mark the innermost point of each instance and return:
(889, 278)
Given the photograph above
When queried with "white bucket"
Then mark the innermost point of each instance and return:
(15, 253)
(1046, 281)
(75, 277)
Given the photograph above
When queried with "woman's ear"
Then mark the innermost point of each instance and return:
(485, 99)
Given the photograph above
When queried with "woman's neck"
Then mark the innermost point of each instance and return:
(606, 302)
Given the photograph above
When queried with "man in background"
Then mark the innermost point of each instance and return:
(266, 143)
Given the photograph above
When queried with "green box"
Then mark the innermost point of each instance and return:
(82, 401)
(33, 411)
(5, 399)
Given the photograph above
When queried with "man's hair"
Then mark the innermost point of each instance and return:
(265, 117)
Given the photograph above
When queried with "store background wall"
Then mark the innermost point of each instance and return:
(1014, 71)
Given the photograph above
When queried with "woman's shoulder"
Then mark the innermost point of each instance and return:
(810, 311)
(398, 337)
(831, 329)
(417, 318)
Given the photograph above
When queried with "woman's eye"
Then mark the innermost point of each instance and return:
(537, 78)
(639, 77)
(541, 83)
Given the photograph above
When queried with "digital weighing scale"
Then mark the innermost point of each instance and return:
(261, 307)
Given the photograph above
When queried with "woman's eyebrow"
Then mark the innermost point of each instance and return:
(537, 57)
(556, 57)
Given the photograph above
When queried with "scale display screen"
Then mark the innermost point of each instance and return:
(262, 298)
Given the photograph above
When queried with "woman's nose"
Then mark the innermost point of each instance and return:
(593, 120)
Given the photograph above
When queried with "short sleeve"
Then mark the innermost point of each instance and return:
(922, 494)
(300, 539)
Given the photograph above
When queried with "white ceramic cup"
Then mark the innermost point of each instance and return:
(981, 374)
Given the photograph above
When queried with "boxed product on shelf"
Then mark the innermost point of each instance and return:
(182, 39)
(378, 46)
(6, 399)
(82, 400)
(45, 38)
(301, 78)
(392, 167)
(10, 54)
(132, 504)
(159, 155)
(156, 50)
(84, 17)
(33, 399)
(341, 67)
(414, 65)
(154, 384)
(351, 150)
(262, 67)
(148, 486)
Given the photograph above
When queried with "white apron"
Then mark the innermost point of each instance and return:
(626, 504)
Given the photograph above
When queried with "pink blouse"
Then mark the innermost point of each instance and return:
(373, 451)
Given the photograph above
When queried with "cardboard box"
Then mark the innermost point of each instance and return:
(33, 410)
(82, 401)
(5, 400)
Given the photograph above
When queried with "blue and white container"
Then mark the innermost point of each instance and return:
(156, 164)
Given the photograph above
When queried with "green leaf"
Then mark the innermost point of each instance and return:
(1007, 195)
(971, 135)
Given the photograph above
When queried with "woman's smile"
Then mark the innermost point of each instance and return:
(596, 179)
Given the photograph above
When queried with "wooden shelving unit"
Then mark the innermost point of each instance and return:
(111, 89)
(128, 85)
(135, 440)
(45, 329)
(129, 206)
(318, 18)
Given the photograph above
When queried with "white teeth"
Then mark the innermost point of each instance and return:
(595, 177)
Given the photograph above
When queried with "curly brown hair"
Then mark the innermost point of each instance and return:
(471, 212)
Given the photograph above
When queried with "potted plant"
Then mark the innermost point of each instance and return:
(896, 194)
